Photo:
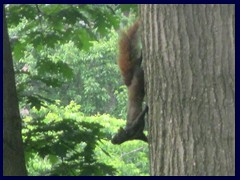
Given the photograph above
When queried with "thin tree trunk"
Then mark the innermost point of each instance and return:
(189, 63)
(13, 155)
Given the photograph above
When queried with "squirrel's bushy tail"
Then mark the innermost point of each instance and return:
(128, 52)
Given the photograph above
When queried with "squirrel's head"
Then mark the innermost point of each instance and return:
(120, 137)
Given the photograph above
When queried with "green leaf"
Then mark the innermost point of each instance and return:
(53, 159)
(128, 7)
(34, 102)
(18, 50)
(59, 149)
(64, 69)
(50, 39)
(44, 65)
(82, 39)
(16, 12)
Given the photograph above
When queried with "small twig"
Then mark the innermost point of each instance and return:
(40, 13)
(111, 9)
(133, 151)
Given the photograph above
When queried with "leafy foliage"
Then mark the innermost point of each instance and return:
(96, 72)
(49, 24)
(68, 138)
(67, 142)
(42, 68)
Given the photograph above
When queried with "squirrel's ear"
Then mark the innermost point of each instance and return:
(120, 129)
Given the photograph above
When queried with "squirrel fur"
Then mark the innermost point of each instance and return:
(129, 62)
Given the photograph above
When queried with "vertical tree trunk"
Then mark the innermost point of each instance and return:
(13, 155)
(189, 63)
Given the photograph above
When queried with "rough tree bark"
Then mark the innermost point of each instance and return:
(13, 155)
(189, 63)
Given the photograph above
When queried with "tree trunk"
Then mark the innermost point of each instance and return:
(189, 64)
(13, 155)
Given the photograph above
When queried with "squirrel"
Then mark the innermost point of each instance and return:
(133, 76)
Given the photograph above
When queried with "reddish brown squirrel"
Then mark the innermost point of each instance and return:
(130, 66)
